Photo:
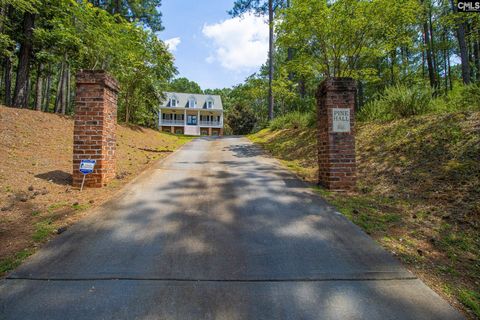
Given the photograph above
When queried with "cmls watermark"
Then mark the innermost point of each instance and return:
(469, 6)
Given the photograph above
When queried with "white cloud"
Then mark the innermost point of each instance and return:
(239, 43)
(173, 43)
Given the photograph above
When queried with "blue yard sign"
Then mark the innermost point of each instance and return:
(86, 167)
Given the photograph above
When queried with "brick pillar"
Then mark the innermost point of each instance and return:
(209, 131)
(336, 133)
(94, 134)
(221, 132)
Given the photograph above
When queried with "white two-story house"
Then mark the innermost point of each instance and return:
(191, 114)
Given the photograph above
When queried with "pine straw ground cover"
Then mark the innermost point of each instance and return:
(36, 197)
(418, 194)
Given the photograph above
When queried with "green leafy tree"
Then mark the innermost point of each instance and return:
(72, 35)
(332, 40)
(240, 119)
(184, 85)
(145, 12)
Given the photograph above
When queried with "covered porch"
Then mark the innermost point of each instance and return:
(186, 117)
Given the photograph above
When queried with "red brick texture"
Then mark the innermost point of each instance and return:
(94, 135)
(217, 132)
(336, 150)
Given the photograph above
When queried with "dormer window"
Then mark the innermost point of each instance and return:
(172, 102)
(192, 102)
(209, 103)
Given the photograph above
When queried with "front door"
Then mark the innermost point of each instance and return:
(192, 120)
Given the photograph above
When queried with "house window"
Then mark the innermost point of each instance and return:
(209, 104)
(192, 102)
(172, 102)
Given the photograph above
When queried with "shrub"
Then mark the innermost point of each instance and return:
(401, 101)
(396, 102)
(240, 119)
(293, 120)
(463, 98)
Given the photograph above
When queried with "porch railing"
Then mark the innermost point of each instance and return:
(172, 122)
(210, 123)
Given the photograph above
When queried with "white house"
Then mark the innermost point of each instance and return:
(192, 114)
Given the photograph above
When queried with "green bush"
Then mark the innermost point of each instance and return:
(240, 119)
(461, 98)
(397, 102)
(293, 120)
(401, 101)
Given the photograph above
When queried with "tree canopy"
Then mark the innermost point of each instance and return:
(47, 42)
(380, 43)
(184, 85)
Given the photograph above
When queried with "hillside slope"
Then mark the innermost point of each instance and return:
(36, 197)
(418, 193)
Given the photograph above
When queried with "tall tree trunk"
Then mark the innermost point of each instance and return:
(423, 59)
(64, 89)
(476, 54)
(127, 108)
(46, 105)
(393, 60)
(460, 30)
(8, 81)
(449, 72)
(6, 13)
(360, 96)
(404, 60)
(427, 43)
(69, 107)
(39, 88)
(432, 46)
(302, 87)
(446, 58)
(31, 88)
(470, 49)
(270, 59)
(20, 98)
(445, 69)
(290, 53)
(431, 73)
(58, 98)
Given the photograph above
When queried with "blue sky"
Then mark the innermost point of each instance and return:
(209, 46)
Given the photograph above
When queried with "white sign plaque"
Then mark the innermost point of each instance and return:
(341, 119)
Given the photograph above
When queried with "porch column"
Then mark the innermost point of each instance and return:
(160, 118)
(198, 118)
(184, 117)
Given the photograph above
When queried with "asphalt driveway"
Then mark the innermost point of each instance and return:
(216, 231)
